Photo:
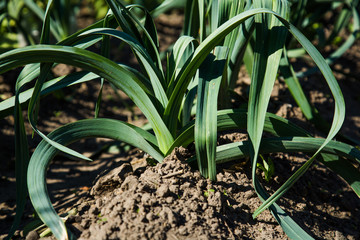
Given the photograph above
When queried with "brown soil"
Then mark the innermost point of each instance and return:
(171, 201)
(118, 196)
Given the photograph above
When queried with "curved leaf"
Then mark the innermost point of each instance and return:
(339, 113)
(331, 151)
(142, 55)
(119, 76)
(67, 134)
(6, 106)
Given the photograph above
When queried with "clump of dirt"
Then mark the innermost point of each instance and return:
(171, 201)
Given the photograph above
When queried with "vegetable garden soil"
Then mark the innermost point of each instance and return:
(121, 196)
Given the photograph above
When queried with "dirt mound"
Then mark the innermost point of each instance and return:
(170, 201)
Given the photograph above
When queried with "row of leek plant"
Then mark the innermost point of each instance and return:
(310, 17)
(203, 65)
(20, 20)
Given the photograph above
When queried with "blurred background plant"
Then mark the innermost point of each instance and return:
(333, 27)
(100, 7)
(327, 22)
(21, 21)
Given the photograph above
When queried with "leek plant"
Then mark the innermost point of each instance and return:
(180, 101)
